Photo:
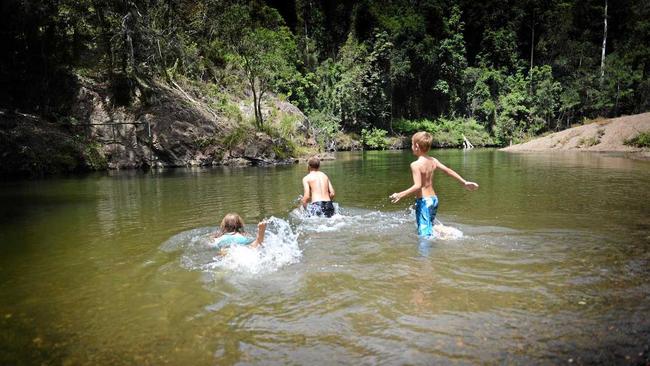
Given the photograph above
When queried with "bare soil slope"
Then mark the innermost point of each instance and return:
(607, 135)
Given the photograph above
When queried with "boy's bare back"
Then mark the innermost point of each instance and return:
(317, 186)
(424, 167)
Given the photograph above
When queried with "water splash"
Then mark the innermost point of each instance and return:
(444, 232)
(280, 248)
(318, 223)
(358, 221)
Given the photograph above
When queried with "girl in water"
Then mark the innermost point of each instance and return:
(232, 233)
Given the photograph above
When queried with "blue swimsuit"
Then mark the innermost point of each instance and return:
(229, 239)
(425, 214)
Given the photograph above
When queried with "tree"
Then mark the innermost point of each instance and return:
(266, 56)
(602, 57)
(545, 95)
(451, 62)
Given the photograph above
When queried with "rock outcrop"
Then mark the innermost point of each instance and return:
(167, 127)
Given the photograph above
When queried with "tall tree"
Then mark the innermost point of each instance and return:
(265, 56)
(602, 55)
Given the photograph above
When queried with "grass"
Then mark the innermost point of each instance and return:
(640, 140)
(588, 141)
(235, 137)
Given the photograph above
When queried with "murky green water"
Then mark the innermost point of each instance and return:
(553, 267)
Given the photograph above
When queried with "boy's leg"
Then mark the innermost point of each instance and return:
(433, 210)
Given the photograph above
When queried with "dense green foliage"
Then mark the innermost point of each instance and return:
(374, 138)
(495, 71)
(447, 132)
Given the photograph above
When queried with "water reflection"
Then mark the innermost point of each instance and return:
(552, 265)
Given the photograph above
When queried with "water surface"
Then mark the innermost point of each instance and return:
(553, 266)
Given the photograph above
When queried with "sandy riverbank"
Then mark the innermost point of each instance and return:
(606, 135)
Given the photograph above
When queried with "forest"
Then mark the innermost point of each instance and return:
(498, 72)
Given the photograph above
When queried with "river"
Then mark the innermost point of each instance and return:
(549, 264)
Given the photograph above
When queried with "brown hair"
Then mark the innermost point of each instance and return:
(423, 139)
(314, 162)
(231, 223)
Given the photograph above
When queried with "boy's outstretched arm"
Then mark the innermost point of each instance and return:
(261, 230)
(417, 185)
(306, 193)
(470, 186)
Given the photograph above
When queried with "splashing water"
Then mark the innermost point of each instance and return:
(280, 248)
(364, 221)
(281, 242)
(318, 223)
(444, 232)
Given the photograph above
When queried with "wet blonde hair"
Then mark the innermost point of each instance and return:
(232, 223)
(423, 139)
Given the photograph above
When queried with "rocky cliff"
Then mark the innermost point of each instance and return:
(175, 127)
(164, 126)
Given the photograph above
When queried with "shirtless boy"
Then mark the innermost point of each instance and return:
(318, 191)
(426, 203)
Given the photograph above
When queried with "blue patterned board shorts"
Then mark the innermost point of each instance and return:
(425, 214)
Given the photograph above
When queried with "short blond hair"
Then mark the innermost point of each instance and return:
(423, 139)
(314, 162)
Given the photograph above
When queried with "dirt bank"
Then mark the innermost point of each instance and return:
(606, 135)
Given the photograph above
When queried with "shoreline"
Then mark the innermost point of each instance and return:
(601, 136)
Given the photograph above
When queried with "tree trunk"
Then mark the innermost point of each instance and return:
(532, 42)
(257, 117)
(259, 107)
(602, 55)
(618, 93)
(532, 52)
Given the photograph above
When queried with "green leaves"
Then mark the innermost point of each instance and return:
(374, 138)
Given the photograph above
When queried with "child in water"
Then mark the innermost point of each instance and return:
(232, 233)
(318, 191)
(426, 203)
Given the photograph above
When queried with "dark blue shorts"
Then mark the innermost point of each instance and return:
(321, 208)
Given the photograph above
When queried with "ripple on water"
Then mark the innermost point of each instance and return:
(359, 286)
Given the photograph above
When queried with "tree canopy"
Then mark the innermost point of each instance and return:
(514, 68)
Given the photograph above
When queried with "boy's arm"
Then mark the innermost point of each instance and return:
(306, 192)
(417, 185)
(331, 189)
(470, 186)
(261, 230)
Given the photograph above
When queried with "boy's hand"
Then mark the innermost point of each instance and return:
(262, 225)
(394, 198)
(471, 186)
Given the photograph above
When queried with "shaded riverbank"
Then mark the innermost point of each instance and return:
(162, 127)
